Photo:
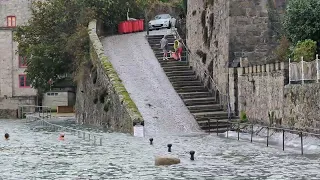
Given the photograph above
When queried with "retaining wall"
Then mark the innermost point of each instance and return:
(102, 99)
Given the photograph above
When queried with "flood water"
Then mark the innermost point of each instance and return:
(35, 153)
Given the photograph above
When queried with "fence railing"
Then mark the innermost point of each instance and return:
(249, 128)
(85, 135)
(25, 110)
(223, 98)
(304, 71)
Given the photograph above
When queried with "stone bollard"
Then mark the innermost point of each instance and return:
(166, 161)
(151, 141)
(192, 155)
(169, 147)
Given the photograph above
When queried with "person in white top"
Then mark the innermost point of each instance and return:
(173, 24)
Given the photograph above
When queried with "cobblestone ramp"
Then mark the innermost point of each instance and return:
(161, 107)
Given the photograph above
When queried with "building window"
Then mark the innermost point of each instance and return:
(52, 94)
(11, 21)
(22, 62)
(23, 81)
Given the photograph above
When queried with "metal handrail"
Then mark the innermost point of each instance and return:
(222, 96)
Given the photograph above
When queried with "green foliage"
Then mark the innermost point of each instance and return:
(306, 49)
(243, 117)
(56, 40)
(283, 50)
(302, 20)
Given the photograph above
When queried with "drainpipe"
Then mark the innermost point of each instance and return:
(13, 58)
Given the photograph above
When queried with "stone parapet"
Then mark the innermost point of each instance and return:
(272, 67)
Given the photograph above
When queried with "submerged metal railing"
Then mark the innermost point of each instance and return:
(42, 111)
(224, 98)
(85, 135)
(237, 126)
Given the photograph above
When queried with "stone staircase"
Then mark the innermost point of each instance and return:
(201, 103)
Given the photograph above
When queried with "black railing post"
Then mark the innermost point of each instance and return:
(267, 136)
(228, 129)
(238, 131)
(251, 132)
(209, 125)
(301, 143)
(283, 139)
(217, 127)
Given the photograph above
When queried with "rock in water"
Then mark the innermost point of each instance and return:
(166, 161)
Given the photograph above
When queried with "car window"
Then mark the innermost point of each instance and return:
(162, 16)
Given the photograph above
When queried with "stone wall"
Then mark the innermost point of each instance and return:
(102, 100)
(220, 32)
(260, 90)
(9, 106)
(208, 39)
(302, 106)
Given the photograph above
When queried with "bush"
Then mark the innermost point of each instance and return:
(306, 49)
(283, 50)
(243, 117)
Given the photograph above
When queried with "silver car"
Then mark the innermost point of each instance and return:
(161, 21)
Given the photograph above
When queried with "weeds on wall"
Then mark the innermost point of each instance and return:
(283, 52)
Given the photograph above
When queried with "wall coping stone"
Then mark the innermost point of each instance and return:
(272, 67)
(115, 80)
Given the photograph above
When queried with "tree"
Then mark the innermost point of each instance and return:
(56, 41)
(302, 20)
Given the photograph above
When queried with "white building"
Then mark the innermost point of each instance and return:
(15, 90)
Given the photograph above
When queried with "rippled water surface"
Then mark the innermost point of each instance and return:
(35, 153)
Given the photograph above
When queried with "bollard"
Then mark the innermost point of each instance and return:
(78, 133)
(209, 126)
(94, 140)
(228, 129)
(151, 141)
(100, 141)
(84, 135)
(192, 155)
(89, 137)
(169, 147)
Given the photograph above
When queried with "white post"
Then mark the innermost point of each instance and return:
(289, 71)
(317, 59)
(302, 75)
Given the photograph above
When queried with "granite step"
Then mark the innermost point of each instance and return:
(172, 68)
(186, 83)
(200, 101)
(182, 78)
(195, 95)
(211, 115)
(169, 63)
(204, 108)
(180, 73)
(190, 89)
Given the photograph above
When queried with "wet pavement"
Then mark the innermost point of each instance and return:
(34, 152)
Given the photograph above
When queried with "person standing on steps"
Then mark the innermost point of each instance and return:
(179, 50)
(164, 47)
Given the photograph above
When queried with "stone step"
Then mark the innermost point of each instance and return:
(195, 95)
(211, 115)
(157, 44)
(190, 89)
(200, 101)
(186, 83)
(204, 108)
(172, 63)
(171, 68)
(180, 73)
(212, 126)
(177, 68)
(182, 78)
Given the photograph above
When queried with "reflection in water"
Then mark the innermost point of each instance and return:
(35, 153)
